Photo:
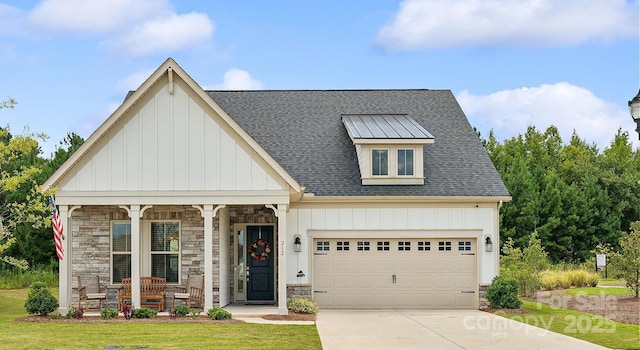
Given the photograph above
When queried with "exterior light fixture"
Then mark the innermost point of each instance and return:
(297, 244)
(488, 244)
(634, 108)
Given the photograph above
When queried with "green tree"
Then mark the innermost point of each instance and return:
(524, 265)
(21, 202)
(627, 260)
(35, 244)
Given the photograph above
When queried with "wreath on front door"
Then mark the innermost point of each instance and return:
(260, 250)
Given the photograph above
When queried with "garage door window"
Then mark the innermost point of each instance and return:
(322, 246)
(422, 246)
(444, 246)
(464, 246)
(383, 245)
(343, 246)
(363, 246)
(404, 246)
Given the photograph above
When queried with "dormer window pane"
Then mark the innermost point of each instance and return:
(405, 162)
(380, 161)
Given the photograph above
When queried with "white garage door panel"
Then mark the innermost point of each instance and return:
(440, 275)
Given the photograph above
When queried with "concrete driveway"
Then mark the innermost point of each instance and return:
(470, 329)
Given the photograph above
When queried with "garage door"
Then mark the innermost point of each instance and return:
(395, 273)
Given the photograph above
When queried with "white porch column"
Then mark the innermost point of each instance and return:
(65, 265)
(282, 259)
(207, 214)
(224, 278)
(134, 214)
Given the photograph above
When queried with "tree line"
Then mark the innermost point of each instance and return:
(573, 195)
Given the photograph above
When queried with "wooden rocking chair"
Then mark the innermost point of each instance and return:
(90, 289)
(191, 293)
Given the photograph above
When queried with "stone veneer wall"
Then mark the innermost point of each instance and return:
(298, 290)
(483, 303)
(90, 230)
(255, 214)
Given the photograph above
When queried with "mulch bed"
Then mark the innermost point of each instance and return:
(619, 308)
(292, 316)
(121, 319)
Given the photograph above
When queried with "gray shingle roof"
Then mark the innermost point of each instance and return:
(303, 131)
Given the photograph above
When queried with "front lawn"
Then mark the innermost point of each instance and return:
(598, 291)
(171, 335)
(588, 327)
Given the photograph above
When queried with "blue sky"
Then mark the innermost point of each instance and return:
(510, 63)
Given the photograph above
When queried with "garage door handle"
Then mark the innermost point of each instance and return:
(393, 279)
(468, 292)
(320, 291)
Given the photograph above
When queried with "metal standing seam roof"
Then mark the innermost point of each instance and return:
(384, 126)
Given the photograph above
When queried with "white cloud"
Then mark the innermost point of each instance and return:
(451, 23)
(132, 82)
(238, 79)
(135, 27)
(95, 16)
(566, 106)
(175, 32)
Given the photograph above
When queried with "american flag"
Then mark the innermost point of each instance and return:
(58, 229)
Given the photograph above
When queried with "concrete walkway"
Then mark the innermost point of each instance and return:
(469, 329)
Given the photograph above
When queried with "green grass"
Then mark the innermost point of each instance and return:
(62, 335)
(598, 291)
(610, 282)
(588, 327)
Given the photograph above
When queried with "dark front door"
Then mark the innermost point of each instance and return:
(260, 262)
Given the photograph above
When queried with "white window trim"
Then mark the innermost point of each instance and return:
(398, 163)
(111, 252)
(365, 158)
(388, 161)
(145, 268)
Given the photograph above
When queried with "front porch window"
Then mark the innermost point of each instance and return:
(120, 251)
(165, 250)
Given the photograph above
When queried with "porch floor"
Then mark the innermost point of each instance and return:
(247, 311)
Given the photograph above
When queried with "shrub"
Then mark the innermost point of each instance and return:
(74, 313)
(548, 281)
(182, 310)
(503, 293)
(524, 265)
(302, 305)
(578, 278)
(107, 313)
(40, 301)
(144, 312)
(218, 313)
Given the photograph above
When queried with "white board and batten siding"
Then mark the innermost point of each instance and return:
(173, 143)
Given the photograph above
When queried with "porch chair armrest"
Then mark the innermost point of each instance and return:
(82, 292)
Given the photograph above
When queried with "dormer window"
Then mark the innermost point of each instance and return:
(389, 148)
(379, 162)
(405, 162)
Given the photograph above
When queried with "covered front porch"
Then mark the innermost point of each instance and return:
(240, 248)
